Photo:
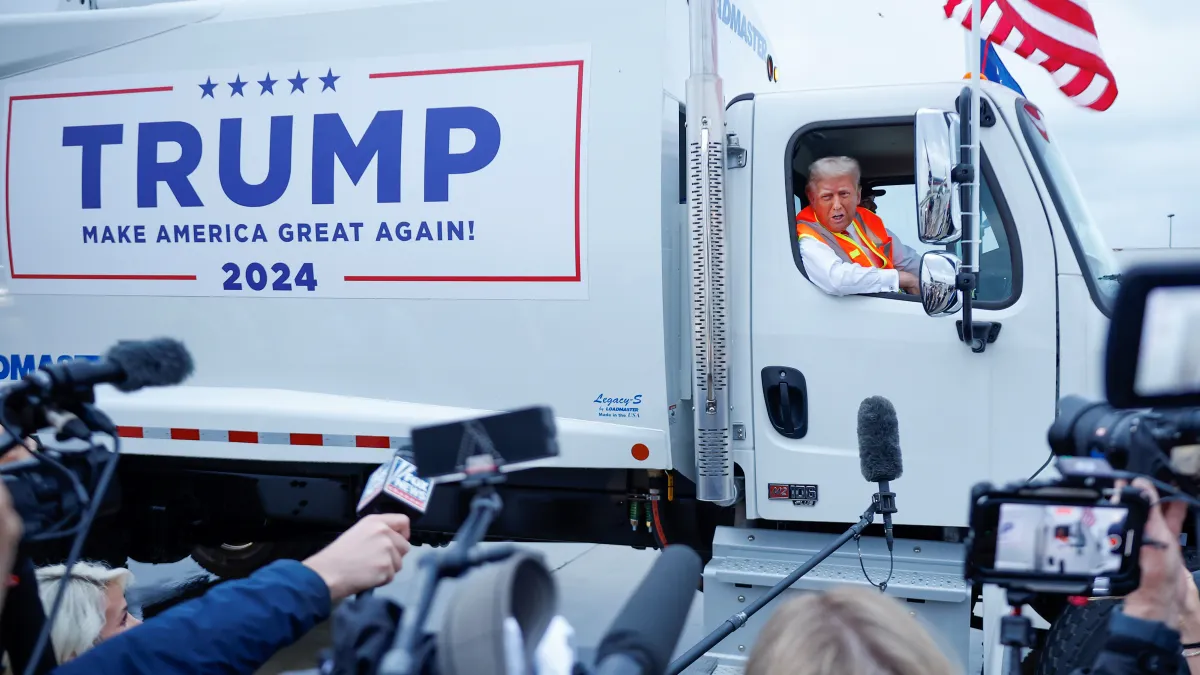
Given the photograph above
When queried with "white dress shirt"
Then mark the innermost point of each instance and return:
(836, 277)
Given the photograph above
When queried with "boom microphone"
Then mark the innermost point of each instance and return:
(33, 403)
(879, 454)
(128, 366)
(644, 634)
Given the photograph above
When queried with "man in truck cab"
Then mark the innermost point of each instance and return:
(845, 248)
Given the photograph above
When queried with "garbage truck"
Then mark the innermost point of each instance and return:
(365, 216)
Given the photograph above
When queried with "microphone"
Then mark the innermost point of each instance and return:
(879, 454)
(395, 487)
(129, 365)
(643, 636)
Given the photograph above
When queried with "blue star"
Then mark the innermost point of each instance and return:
(236, 86)
(328, 80)
(208, 87)
(267, 85)
(297, 83)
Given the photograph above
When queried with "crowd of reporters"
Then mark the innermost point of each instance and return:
(237, 626)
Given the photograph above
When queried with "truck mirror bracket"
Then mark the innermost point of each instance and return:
(735, 154)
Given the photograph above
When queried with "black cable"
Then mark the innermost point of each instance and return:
(76, 549)
(882, 586)
(1041, 468)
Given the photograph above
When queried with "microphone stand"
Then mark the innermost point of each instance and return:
(459, 557)
(738, 620)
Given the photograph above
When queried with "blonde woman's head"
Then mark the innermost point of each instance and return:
(93, 607)
(850, 631)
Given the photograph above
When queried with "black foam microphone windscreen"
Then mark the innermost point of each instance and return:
(150, 363)
(879, 440)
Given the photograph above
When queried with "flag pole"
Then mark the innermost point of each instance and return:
(976, 58)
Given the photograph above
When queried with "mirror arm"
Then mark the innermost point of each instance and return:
(964, 175)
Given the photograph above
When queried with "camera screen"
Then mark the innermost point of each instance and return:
(1169, 355)
(1061, 539)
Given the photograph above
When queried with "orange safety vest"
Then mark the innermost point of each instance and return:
(869, 228)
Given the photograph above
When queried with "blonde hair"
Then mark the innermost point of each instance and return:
(833, 167)
(846, 630)
(81, 615)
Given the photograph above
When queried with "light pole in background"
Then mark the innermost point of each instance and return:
(1170, 230)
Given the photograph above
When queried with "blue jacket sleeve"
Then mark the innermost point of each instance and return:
(234, 628)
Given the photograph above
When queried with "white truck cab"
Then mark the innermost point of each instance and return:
(363, 216)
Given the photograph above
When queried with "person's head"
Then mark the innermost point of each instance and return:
(842, 632)
(833, 191)
(93, 607)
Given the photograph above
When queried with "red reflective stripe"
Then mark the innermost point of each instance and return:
(253, 437)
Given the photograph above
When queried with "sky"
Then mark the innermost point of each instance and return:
(1136, 162)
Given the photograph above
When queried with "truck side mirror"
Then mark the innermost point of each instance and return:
(939, 283)
(938, 220)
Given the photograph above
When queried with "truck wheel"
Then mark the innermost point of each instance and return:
(1076, 638)
(234, 561)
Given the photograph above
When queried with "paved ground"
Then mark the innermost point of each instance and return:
(593, 583)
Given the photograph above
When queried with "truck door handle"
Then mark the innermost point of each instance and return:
(785, 393)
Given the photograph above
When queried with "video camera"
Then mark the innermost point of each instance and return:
(1080, 534)
(59, 491)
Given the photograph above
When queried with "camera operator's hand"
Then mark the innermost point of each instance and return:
(366, 556)
(1189, 625)
(19, 452)
(1158, 596)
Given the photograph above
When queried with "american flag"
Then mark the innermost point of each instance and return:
(1089, 518)
(1057, 35)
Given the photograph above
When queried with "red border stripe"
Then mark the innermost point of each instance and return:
(129, 432)
(185, 434)
(243, 436)
(12, 270)
(578, 276)
(372, 441)
(307, 439)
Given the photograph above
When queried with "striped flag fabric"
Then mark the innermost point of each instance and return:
(1058, 35)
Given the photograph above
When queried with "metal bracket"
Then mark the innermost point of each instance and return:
(735, 154)
(739, 432)
(983, 333)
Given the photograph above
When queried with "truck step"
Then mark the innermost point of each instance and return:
(928, 578)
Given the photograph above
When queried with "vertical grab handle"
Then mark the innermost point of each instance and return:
(785, 409)
(785, 395)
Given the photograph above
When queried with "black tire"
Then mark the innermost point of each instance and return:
(239, 561)
(1076, 638)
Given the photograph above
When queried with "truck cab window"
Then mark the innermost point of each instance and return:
(884, 155)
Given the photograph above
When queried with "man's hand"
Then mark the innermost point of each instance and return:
(367, 555)
(11, 529)
(909, 283)
(1158, 596)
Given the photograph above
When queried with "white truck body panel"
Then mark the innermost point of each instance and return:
(577, 185)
